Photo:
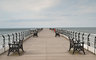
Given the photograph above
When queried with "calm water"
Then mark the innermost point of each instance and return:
(83, 29)
(79, 29)
(7, 30)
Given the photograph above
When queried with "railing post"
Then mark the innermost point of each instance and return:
(23, 36)
(3, 42)
(8, 38)
(71, 34)
(94, 45)
(16, 36)
(75, 35)
(88, 41)
(13, 37)
(19, 36)
(83, 37)
(79, 36)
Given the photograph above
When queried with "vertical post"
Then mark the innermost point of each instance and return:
(68, 33)
(71, 34)
(22, 35)
(8, 38)
(83, 37)
(75, 36)
(13, 37)
(94, 44)
(88, 41)
(16, 36)
(3, 42)
(79, 36)
(19, 36)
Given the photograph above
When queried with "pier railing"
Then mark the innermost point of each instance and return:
(5, 39)
(88, 39)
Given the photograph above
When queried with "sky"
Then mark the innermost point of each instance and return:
(47, 13)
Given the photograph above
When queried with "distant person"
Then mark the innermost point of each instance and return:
(54, 30)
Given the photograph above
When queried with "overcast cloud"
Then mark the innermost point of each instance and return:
(47, 13)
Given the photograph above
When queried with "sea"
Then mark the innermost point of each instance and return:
(91, 30)
(11, 30)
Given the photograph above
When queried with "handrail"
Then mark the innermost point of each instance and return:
(88, 39)
(10, 38)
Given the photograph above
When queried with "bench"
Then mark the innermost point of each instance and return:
(35, 34)
(15, 46)
(57, 34)
(76, 45)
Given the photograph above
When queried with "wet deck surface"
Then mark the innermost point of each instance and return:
(47, 47)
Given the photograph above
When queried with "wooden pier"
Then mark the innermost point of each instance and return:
(47, 47)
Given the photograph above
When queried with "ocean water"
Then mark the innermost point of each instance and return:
(91, 30)
(10, 30)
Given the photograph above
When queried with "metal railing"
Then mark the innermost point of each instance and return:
(5, 39)
(88, 39)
